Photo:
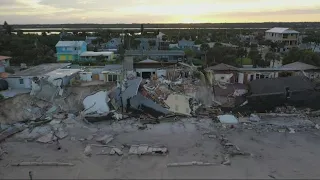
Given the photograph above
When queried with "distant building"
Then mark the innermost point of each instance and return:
(90, 39)
(146, 45)
(310, 46)
(114, 43)
(94, 56)
(70, 50)
(162, 55)
(185, 44)
(289, 37)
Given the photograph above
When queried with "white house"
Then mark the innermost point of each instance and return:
(23, 79)
(288, 36)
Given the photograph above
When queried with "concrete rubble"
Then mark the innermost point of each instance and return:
(105, 139)
(145, 149)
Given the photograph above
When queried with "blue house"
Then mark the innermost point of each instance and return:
(70, 50)
(114, 43)
(185, 44)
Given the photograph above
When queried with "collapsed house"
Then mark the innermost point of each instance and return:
(266, 94)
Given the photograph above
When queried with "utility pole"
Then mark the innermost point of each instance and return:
(122, 74)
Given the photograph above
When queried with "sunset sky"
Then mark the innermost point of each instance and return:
(160, 11)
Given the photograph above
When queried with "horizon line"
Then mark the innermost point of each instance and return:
(174, 23)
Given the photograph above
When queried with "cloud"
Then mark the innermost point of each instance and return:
(148, 11)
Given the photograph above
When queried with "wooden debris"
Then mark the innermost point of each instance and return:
(192, 163)
(42, 164)
(101, 145)
(87, 150)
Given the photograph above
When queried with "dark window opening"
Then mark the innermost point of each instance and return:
(146, 75)
(21, 81)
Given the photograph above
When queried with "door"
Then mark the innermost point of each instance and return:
(240, 78)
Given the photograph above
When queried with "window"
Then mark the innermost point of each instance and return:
(109, 77)
(112, 78)
(222, 77)
(21, 81)
(115, 77)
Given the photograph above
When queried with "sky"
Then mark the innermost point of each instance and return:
(157, 11)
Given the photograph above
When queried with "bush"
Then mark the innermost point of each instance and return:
(9, 70)
(1, 97)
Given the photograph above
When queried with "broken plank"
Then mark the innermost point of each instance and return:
(42, 164)
(192, 163)
(101, 145)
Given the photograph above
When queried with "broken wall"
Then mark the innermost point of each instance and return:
(178, 104)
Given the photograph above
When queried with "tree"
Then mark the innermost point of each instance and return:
(198, 41)
(241, 53)
(272, 57)
(20, 33)
(255, 56)
(189, 53)
(305, 56)
(205, 48)
(164, 38)
(7, 28)
(142, 29)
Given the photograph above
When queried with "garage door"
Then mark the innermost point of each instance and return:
(95, 76)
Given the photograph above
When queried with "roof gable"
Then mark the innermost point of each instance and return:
(222, 67)
(299, 66)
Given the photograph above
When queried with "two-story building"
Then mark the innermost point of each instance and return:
(290, 38)
(70, 50)
(185, 44)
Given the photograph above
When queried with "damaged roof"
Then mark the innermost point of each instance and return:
(222, 67)
(278, 85)
(41, 69)
(4, 58)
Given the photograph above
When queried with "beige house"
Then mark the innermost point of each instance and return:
(289, 37)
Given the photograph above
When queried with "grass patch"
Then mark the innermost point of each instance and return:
(245, 61)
